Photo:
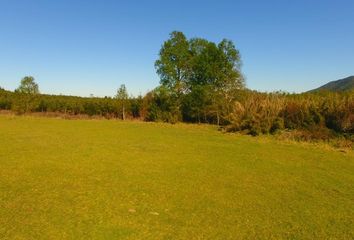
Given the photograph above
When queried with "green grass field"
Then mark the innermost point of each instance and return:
(101, 179)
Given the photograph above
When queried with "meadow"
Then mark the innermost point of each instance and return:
(108, 179)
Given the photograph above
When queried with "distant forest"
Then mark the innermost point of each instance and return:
(202, 82)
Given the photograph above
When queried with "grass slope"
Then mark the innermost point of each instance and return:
(89, 179)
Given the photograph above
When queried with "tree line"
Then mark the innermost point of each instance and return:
(250, 112)
(201, 82)
(26, 99)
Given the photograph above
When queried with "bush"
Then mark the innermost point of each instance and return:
(278, 124)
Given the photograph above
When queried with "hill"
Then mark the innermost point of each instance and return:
(344, 84)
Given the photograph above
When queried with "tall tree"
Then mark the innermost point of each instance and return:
(173, 63)
(217, 69)
(202, 66)
(122, 97)
(27, 95)
(28, 86)
(205, 63)
(216, 65)
(231, 66)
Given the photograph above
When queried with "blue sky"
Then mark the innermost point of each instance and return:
(91, 46)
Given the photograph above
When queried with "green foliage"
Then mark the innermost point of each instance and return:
(5, 99)
(122, 97)
(136, 105)
(247, 111)
(28, 86)
(26, 99)
(278, 124)
(173, 65)
(24, 102)
(162, 106)
(185, 66)
(258, 113)
(196, 105)
(122, 93)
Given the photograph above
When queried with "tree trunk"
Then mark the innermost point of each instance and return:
(123, 115)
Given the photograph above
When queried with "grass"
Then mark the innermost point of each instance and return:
(101, 179)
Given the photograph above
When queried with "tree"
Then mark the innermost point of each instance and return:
(201, 73)
(173, 66)
(136, 105)
(173, 63)
(28, 86)
(122, 96)
(195, 104)
(27, 96)
(216, 68)
(231, 66)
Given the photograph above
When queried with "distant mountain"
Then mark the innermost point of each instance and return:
(344, 84)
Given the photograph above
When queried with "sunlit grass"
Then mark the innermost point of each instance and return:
(100, 179)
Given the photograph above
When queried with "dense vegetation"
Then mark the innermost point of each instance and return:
(201, 82)
(251, 112)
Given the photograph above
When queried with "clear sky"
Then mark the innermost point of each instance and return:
(79, 47)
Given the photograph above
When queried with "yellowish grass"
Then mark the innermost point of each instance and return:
(100, 179)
